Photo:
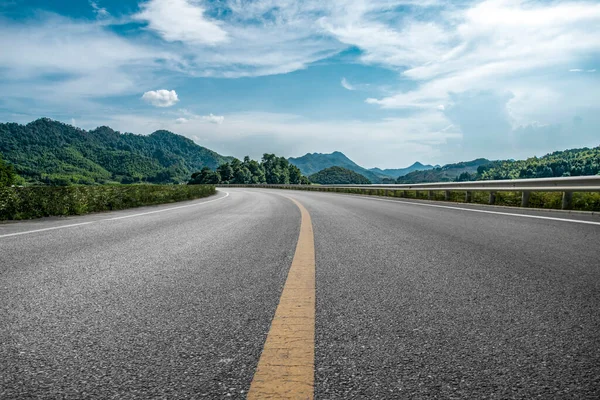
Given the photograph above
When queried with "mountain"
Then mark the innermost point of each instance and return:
(338, 175)
(449, 172)
(315, 162)
(51, 152)
(395, 173)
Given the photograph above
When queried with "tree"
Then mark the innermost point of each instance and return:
(271, 169)
(272, 172)
(226, 172)
(256, 169)
(7, 174)
(242, 176)
(205, 177)
(295, 174)
(465, 176)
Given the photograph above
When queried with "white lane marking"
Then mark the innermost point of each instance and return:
(486, 211)
(112, 219)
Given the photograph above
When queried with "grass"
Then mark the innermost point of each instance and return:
(43, 201)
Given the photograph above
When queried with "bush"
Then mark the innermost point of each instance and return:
(44, 201)
(7, 174)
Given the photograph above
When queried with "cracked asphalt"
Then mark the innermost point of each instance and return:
(411, 301)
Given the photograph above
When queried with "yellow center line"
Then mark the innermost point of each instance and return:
(286, 366)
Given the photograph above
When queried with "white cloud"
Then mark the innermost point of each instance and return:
(582, 70)
(161, 98)
(89, 60)
(347, 85)
(214, 119)
(181, 20)
(490, 45)
(518, 50)
(101, 12)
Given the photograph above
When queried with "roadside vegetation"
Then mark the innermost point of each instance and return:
(43, 201)
(8, 177)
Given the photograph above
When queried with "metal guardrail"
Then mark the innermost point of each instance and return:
(567, 185)
(574, 183)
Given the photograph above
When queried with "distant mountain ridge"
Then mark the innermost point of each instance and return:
(52, 152)
(448, 172)
(395, 173)
(311, 163)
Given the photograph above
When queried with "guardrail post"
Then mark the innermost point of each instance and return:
(430, 195)
(416, 194)
(567, 200)
(447, 195)
(468, 197)
(492, 198)
(525, 199)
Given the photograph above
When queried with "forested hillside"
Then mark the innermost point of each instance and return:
(50, 152)
(573, 162)
(338, 175)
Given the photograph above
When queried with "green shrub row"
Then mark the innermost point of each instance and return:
(44, 201)
(583, 201)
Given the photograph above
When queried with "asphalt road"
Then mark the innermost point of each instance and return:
(412, 301)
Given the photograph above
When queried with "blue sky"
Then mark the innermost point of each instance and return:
(386, 82)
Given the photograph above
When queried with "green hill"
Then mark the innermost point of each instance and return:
(47, 151)
(338, 175)
(311, 163)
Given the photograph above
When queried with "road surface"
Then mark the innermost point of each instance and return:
(412, 301)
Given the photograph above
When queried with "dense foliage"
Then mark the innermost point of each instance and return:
(7, 174)
(574, 162)
(271, 170)
(43, 201)
(312, 163)
(50, 152)
(338, 175)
